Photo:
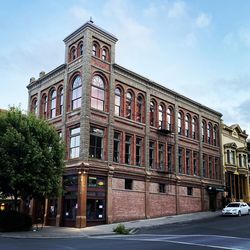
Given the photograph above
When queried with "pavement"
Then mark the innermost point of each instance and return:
(69, 232)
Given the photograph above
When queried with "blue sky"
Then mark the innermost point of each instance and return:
(199, 48)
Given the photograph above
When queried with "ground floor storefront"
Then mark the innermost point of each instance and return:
(101, 196)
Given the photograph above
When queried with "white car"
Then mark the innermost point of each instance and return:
(236, 208)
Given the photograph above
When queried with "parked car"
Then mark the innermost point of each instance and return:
(236, 208)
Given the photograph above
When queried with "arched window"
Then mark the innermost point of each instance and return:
(73, 53)
(117, 101)
(187, 125)
(170, 119)
(104, 55)
(209, 133)
(44, 105)
(97, 93)
(80, 49)
(152, 113)
(180, 123)
(34, 108)
(52, 103)
(95, 49)
(76, 93)
(129, 103)
(160, 116)
(194, 128)
(60, 101)
(215, 135)
(203, 131)
(139, 107)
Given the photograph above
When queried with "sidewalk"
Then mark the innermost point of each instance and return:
(68, 232)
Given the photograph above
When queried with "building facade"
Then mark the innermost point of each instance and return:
(235, 159)
(135, 149)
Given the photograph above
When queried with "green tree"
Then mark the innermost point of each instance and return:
(31, 157)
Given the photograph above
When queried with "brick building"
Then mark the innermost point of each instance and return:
(135, 149)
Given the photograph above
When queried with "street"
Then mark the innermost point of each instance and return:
(214, 233)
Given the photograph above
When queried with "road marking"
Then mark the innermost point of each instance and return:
(212, 241)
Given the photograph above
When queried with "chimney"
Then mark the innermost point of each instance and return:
(32, 79)
(42, 73)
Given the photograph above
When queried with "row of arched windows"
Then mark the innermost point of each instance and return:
(161, 116)
(51, 104)
(129, 105)
(76, 51)
(101, 52)
(209, 133)
(187, 125)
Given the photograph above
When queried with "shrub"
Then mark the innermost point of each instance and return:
(11, 221)
(120, 229)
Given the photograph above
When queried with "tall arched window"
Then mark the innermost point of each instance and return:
(60, 101)
(76, 93)
(117, 101)
(187, 125)
(203, 131)
(169, 119)
(97, 93)
(129, 104)
(194, 128)
(95, 49)
(215, 135)
(52, 103)
(139, 106)
(80, 49)
(34, 108)
(104, 55)
(209, 133)
(180, 123)
(73, 53)
(160, 116)
(152, 113)
(44, 105)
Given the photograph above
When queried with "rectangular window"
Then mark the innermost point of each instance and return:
(96, 143)
(128, 141)
(195, 163)
(189, 191)
(128, 184)
(228, 156)
(210, 163)
(170, 158)
(232, 157)
(151, 154)
(161, 156)
(188, 160)
(116, 153)
(217, 168)
(162, 188)
(244, 160)
(204, 165)
(180, 160)
(240, 160)
(138, 151)
(74, 143)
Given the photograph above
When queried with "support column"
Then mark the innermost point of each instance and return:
(110, 196)
(81, 220)
(59, 211)
(147, 201)
(45, 217)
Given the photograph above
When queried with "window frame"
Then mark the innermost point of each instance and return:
(76, 96)
(74, 138)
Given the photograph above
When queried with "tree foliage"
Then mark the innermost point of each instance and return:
(31, 156)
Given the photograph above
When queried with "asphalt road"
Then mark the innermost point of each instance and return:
(214, 233)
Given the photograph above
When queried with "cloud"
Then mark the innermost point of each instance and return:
(177, 9)
(190, 40)
(151, 11)
(244, 36)
(79, 13)
(203, 20)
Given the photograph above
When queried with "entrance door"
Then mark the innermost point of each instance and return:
(96, 211)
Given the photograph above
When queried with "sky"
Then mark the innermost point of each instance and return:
(198, 48)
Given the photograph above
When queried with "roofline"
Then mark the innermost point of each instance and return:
(167, 89)
(92, 26)
(57, 69)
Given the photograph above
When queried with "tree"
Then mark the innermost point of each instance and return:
(31, 157)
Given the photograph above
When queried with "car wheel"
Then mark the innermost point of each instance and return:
(239, 213)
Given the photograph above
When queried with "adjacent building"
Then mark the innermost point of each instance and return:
(235, 161)
(135, 149)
